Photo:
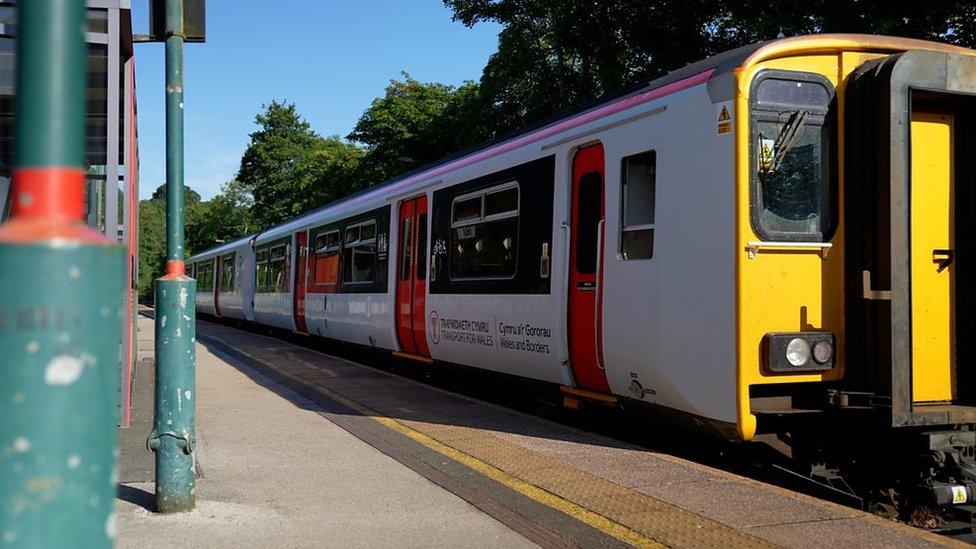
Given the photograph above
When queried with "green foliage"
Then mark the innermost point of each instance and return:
(225, 217)
(289, 169)
(554, 54)
(416, 123)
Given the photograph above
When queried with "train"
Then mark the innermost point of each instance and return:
(774, 243)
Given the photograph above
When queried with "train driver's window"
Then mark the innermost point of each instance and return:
(484, 233)
(359, 253)
(792, 156)
(639, 181)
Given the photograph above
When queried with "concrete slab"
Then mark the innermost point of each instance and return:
(281, 475)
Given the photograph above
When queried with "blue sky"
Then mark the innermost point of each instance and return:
(330, 57)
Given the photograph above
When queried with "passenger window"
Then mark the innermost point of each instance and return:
(422, 247)
(261, 277)
(279, 264)
(359, 254)
(588, 224)
(227, 273)
(484, 234)
(639, 180)
(405, 239)
(325, 267)
(792, 156)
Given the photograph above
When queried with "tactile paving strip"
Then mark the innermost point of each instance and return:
(628, 515)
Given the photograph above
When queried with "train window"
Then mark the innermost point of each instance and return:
(325, 268)
(406, 240)
(279, 271)
(588, 232)
(327, 242)
(422, 247)
(261, 270)
(359, 253)
(227, 273)
(484, 234)
(792, 156)
(205, 273)
(638, 175)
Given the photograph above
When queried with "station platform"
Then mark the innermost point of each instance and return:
(299, 448)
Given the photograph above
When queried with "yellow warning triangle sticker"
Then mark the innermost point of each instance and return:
(724, 115)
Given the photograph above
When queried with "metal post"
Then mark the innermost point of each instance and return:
(60, 287)
(174, 428)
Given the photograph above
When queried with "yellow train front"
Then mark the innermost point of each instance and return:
(856, 182)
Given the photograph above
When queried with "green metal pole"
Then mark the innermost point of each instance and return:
(61, 285)
(174, 428)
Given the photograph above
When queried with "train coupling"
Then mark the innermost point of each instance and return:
(950, 467)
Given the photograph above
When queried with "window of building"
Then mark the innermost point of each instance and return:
(639, 180)
(227, 273)
(484, 233)
(359, 253)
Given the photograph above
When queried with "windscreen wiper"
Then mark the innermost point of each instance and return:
(784, 141)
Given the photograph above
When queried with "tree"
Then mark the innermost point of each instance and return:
(554, 54)
(289, 169)
(223, 218)
(415, 123)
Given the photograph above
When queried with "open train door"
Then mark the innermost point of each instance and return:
(586, 269)
(301, 281)
(412, 278)
(910, 239)
(216, 283)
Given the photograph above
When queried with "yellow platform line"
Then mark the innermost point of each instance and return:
(545, 497)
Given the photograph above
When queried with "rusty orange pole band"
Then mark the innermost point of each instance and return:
(175, 268)
(49, 192)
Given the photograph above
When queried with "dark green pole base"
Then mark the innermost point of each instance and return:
(174, 427)
(59, 363)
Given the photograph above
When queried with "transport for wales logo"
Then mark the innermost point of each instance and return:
(435, 332)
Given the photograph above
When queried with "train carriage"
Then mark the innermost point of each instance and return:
(774, 241)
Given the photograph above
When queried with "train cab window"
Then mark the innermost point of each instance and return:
(326, 265)
(638, 176)
(359, 253)
(792, 156)
(484, 233)
(279, 264)
(227, 273)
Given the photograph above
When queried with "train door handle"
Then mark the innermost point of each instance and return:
(871, 294)
(943, 258)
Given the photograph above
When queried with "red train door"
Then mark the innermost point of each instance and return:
(216, 284)
(301, 280)
(585, 270)
(412, 277)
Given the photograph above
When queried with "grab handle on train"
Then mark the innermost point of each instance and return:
(871, 294)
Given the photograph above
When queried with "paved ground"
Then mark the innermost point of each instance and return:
(280, 475)
(299, 449)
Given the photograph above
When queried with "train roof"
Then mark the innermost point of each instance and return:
(712, 67)
(236, 243)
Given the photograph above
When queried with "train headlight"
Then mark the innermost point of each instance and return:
(798, 352)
